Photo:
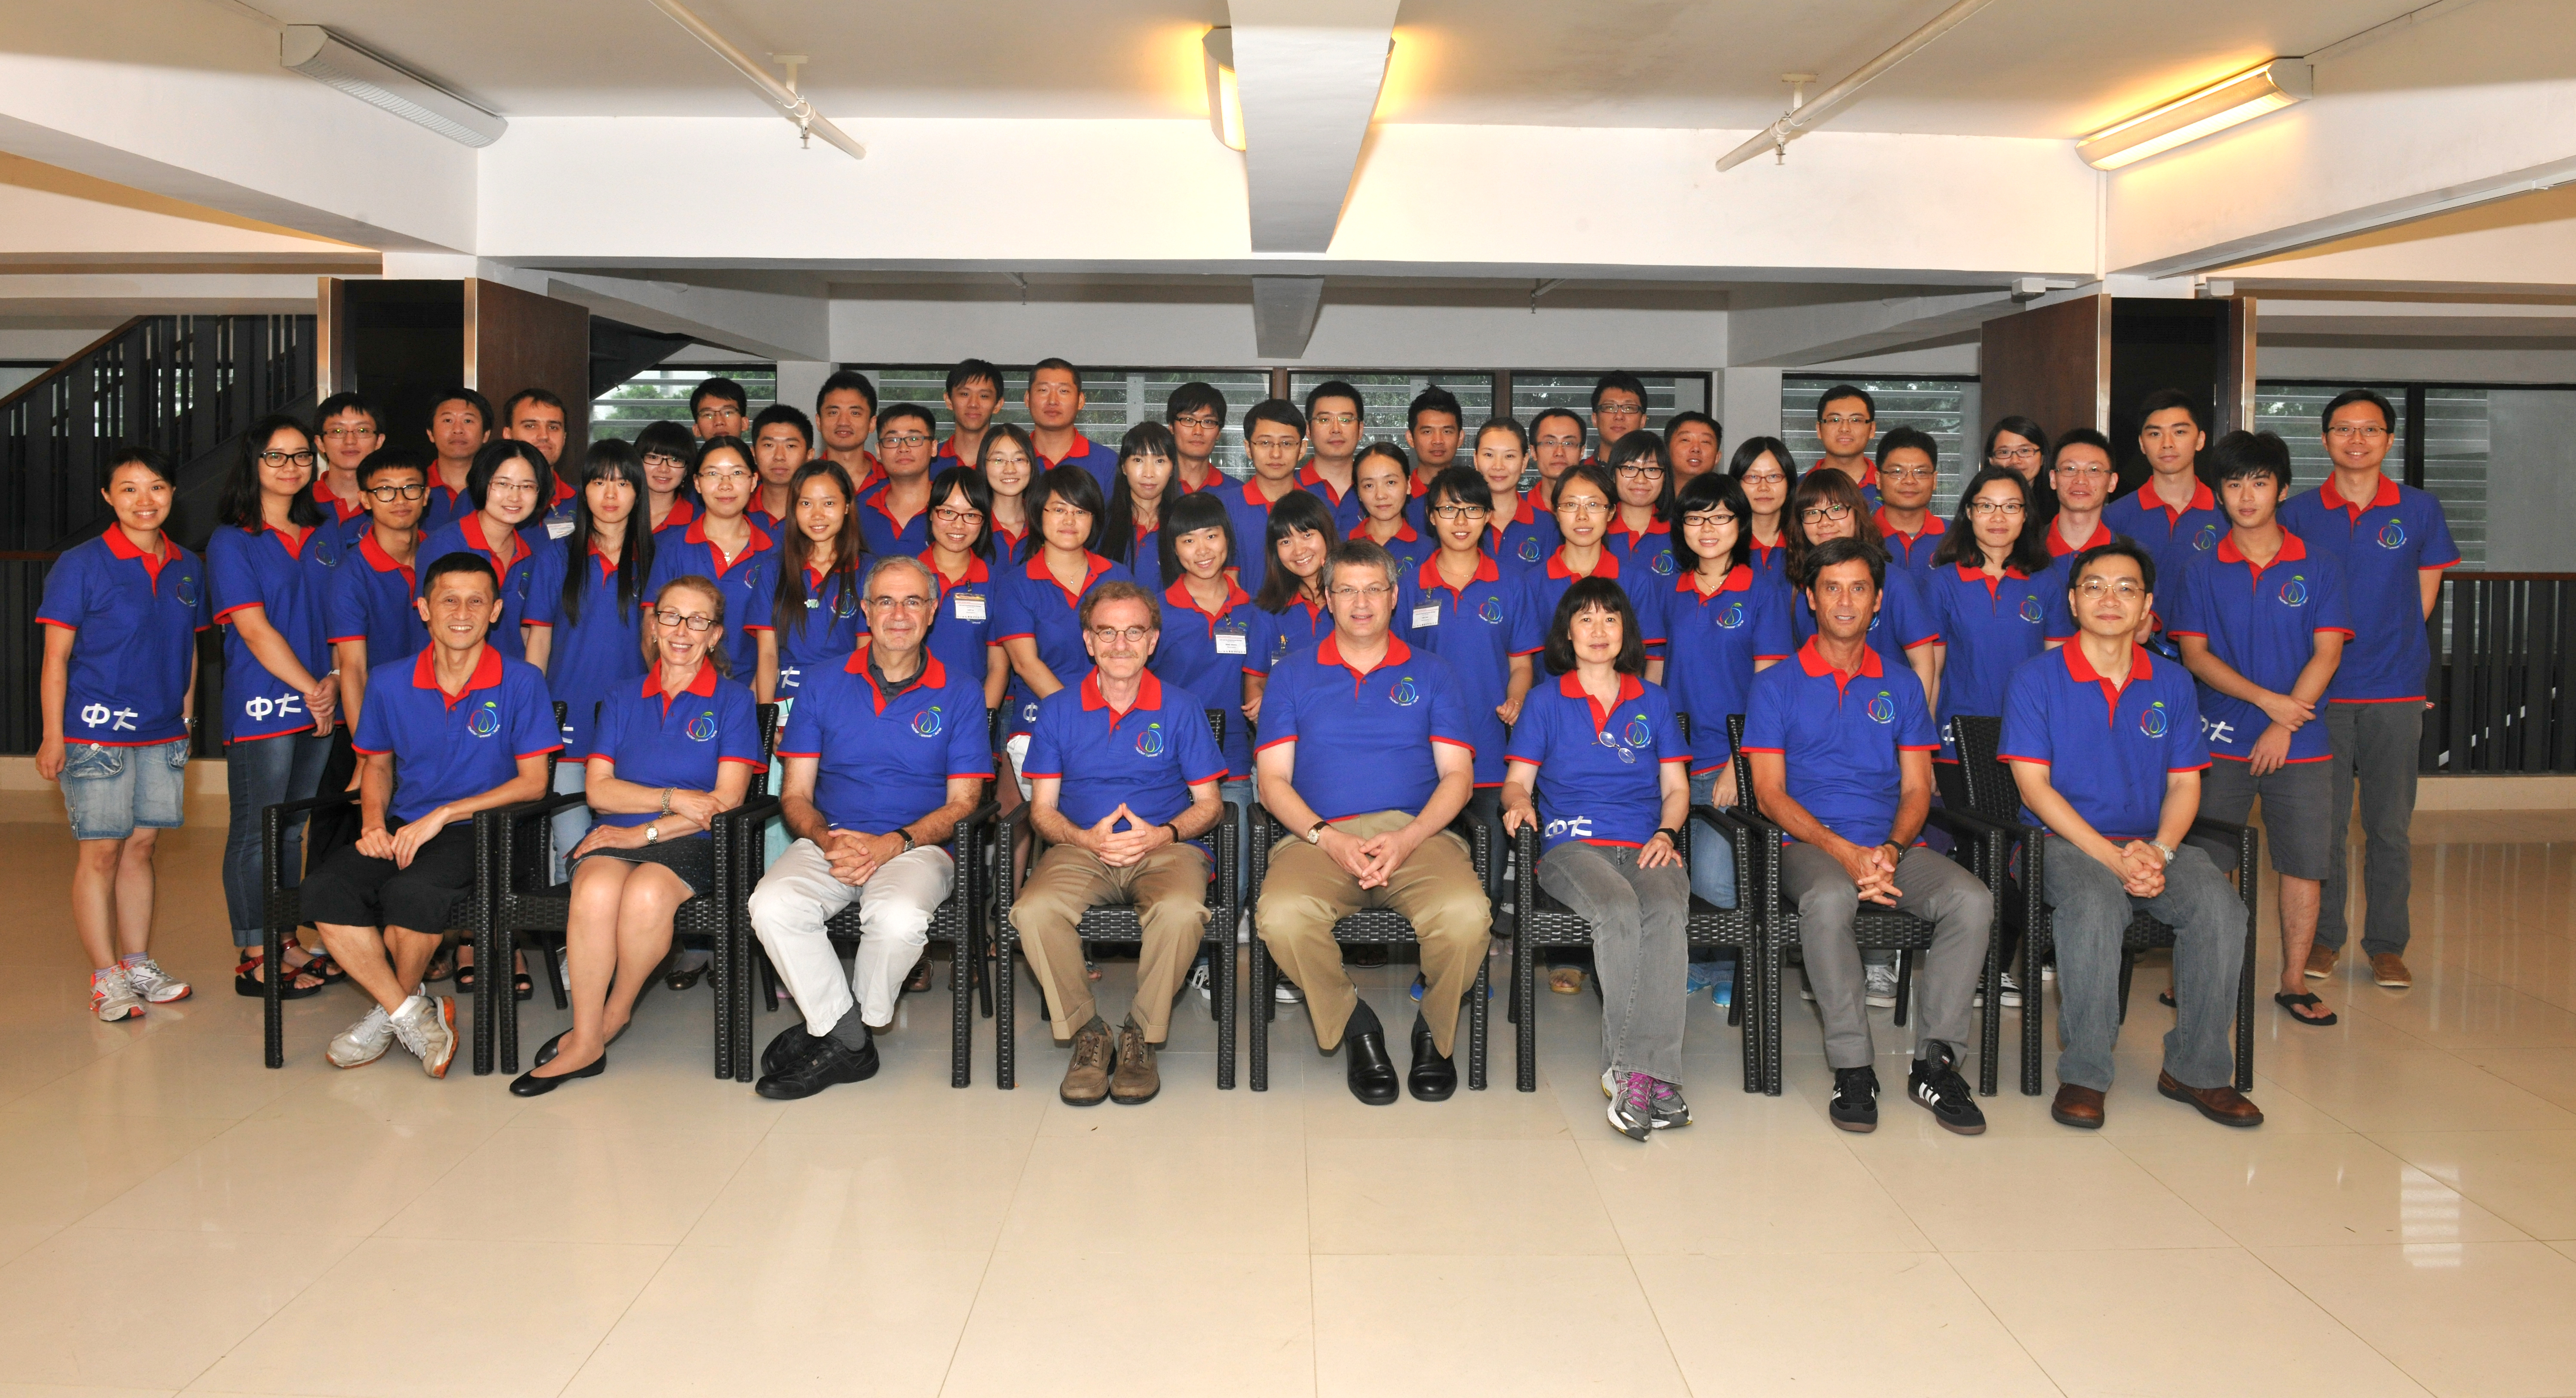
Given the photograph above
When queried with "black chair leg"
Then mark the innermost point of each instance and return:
(1904, 986)
(2128, 968)
(1525, 1050)
(961, 1011)
(2034, 1010)
(554, 975)
(1477, 1014)
(272, 941)
(1263, 1000)
(1006, 1038)
(1225, 980)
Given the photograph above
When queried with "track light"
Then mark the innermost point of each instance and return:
(327, 58)
(2187, 118)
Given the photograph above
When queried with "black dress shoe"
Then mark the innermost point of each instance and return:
(546, 1050)
(1433, 1077)
(1372, 1072)
(791, 1044)
(832, 1062)
(528, 1084)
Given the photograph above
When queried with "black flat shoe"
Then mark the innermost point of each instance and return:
(831, 1063)
(546, 1050)
(524, 988)
(684, 980)
(1433, 1077)
(528, 1084)
(791, 1044)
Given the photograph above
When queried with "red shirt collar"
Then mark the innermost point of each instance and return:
(1252, 493)
(2142, 666)
(702, 684)
(1307, 475)
(1523, 512)
(345, 509)
(1814, 663)
(487, 673)
(2201, 499)
(975, 572)
(1607, 567)
(681, 512)
(2333, 498)
(933, 674)
(471, 527)
(1571, 686)
(1619, 525)
(380, 560)
(1093, 566)
(1932, 526)
(153, 563)
(697, 534)
(1485, 572)
(2059, 548)
(1178, 594)
(1081, 447)
(1738, 579)
(1330, 653)
(1149, 695)
(1403, 530)
(2292, 549)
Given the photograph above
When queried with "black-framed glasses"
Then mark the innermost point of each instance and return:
(1132, 635)
(692, 620)
(1816, 514)
(1457, 512)
(1612, 407)
(950, 514)
(1994, 507)
(1639, 470)
(387, 494)
(280, 458)
(906, 440)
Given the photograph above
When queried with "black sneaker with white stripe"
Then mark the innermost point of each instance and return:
(1935, 1083)
(1855, 1104)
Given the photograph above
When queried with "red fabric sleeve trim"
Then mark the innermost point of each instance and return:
(240, 607)
(1033, 776)
(2437, 567)
(2344, 631)
(1219, 776)
(2034, 761)
(540, 752)
(2201, 634)
(2203, 767)
(970, 776)
(1748, 747)
(1265, 747)
(369, 752)
(1471, 747)
(1771, 657)
(818, 752)
(335, 640)
(752, 762)
(1928, 640)
(1918, 747)
(1018, 636)
(1531, 651)
(1677, 759)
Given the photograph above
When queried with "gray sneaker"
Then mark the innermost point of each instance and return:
(1287, 993)
(155, 985)
(427, 1026)
(112, 997)
(1669, 1110)
(1632, 1107)
(364, 1042)
(1882, 986)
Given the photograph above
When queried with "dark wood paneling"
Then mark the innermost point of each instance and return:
(2046, 364)
(516, 340)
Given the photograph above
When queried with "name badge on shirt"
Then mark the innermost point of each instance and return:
(1231, 643)
(970, 606)
(1428, 614)
(558, 528)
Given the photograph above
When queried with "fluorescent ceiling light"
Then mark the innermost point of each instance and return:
(2187, 118)
(1225, 103)
(327, 58)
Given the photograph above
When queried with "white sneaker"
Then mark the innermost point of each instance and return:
(364, 1042)
(1882, 987)
(154, 984)
(427, 1026)
(112, 997)
(1287, 993)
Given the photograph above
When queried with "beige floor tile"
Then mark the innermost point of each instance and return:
(2423, 1090)
(1480, 1325)
(552, 1184)
(1499, 1113)
(1188, 1104)
(56, 1170)
(2537, 964)
(642, 1098)
(866, 1192)
(403, 1310)
(2015, 1195)
(52, 1046)
(2138, 1112)
(1782, 1324)
(2188, 1322)
(911, 1099)
(168, 1075)
(55, 1390)
(71, 1306)
(805, 1316)
(2528, 1178)
(2471, 1319)
(1121, 1325)
(2466, 1014)
(1102, 1195)
(1443, 1196)
(294, 1175)
(2291, 1190)
(2546, 1072)
(1697, 1191)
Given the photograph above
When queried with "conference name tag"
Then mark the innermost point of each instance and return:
(970, 606)
(1230, 643)
(1428, 614)
(558, 528)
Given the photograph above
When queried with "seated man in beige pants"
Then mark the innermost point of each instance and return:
(1365, 758)
(1124, 775)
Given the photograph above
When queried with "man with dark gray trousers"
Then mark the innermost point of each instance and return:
(2105, 744)
(1841, 751)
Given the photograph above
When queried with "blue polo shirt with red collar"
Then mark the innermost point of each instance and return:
(597, 650)
(1100, 461)
(885, 763)
(2172, 537)
(885, 537)
(447, 747)
(678, 740)
(1643, 556)
(1525, 539)
(1209, 653)
(134, 619)
(442, 506)
(2061, 617)
(2384, 544)
(1841, 735)
(1989, 626)
(825, 630)
(373, 603)
(1478, 629)
(1600, 767)
(2108, 747)
(1709, 658)
(1247, 510)
(1345, 503)
(1912, 552)
(1772, 559)
(961, 635)
(529, 571)
(1296, 629)
(1364, 740)
(2264, 622)
(287, 579)
(1903, 623)
(1036, 606)
(1146, 758)
(748, 580)
(1408, 547)
(349, 517)
(1647, 593)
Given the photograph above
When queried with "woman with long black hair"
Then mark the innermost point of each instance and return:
(1040, 618)
(595, 616)
(1148, 461)
(816, 613)
(1299, 535)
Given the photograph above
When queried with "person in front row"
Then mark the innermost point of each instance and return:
(1126, 776)
(2106, 747)
(885, 755)
(665, 758)
(1604, 756)
(1841, 746)
(467, 729)
(1365, 759)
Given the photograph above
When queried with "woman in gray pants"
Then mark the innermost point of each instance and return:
(1600, 748)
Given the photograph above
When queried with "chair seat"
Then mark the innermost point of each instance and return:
(2145, 934)
(1552, 924)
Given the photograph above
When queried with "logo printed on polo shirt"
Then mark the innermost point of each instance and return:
(1150, 742)
(702, 729)
(2208, 539)
(1490, 611)
(486, 720)
(2031, 611)
(2294, 593)
(929, 721)
(846, 605)
(2151, 720)
(2392, 535)
(1638, 734)
(187, 589)
(1730, 616)
(1404, 694)
(1663, 565)
(1529, 549)
(1882, 708)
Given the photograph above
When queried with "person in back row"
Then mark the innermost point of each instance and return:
(1196, 414)
(723, 546)
(1909, 470)
(2105, 746)
(1846, 421)
(1524, 533)
(1274, 432)
(1054, 399)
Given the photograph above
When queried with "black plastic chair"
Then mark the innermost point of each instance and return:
(1368, 926)
(1539, 920)
(1118, 923)
(475, 913)
(1877, 928)
(534, 914)
(1996, 798)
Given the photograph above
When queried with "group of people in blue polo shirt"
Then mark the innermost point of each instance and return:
(1397, 638)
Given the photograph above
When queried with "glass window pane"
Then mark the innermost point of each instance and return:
(1113, 400)
(1666, 394)
(662, 395)
(1944, 408)
(1384, 397)
(2455, 465)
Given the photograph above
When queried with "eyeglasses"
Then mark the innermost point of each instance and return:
(280, 458)
(910, 602)
(1274, 443)
(1816, 513)
(1581, 508)
(1374, 592)
(907, 440)
(2346, 431)
(1202, 421)
(348, 432)
(663, 460)
(2021, 453)
(1911, 473)
(502, 487)
(387, 494)
(1845, 420)
(1132, 635)
(1339, 419)
(1568, 443)
(1057, 509)
(950, 514)
(720, 474)
(1457, 512)
(691, 620)
(1762, 478)
(1709, 519)
(2087, 471)
(2126, 589)
(1613, 407)
(1641, 469)
(1994, 507)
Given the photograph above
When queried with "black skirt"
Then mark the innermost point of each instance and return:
(692, 857)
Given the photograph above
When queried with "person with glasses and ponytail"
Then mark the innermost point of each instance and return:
(595, 616)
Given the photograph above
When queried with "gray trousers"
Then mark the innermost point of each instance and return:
(2377, 746)
(1640, 950)
(1961, 911)
(2089, 912)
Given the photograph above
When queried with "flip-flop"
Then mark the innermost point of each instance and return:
(2295, 1003)
(2165, 998)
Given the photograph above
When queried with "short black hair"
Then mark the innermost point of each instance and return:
(851, 381)
(2241, 454)
(1278, 410)
(2121, 546)
(1434, 399)
(2081, 437)
(1838, 551)
(1688, 416)
(1898, 438)
(136, 454)
(1587, 595)
(339, 403)
(468, 397)
(1200, 509)
(1713, 490)
(971, 371)
(663, 437)
(1645, 445)
(718, 387)
(929, 424)
(1841, 391)
(1582, 429)
(1512, 425)
(979, 494)
(2019, 426)
(1459, 483)
(1194, 397)
(488, 462)
(2387, 414)
(2167, 399)
(395, 458)
(1052, 362)
(722, 441)
(789, 414)
(1593, 472)
(461, 561)
(1335, 388)
(1618, 381)
(543, 396)
(1080, 489)
(1753, 449)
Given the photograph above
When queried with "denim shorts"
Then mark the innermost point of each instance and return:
(111, 792)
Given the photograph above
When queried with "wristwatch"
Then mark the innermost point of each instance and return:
(2164, 849)
(905, 835)
(1671, 834)
(653, 834)
(1315, 832)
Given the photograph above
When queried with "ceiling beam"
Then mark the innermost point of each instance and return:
(1789, 327)
(1283, 315)
(780, 325)
(1308, 73)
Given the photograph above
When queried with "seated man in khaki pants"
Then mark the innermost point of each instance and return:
(1125, 774)
(1365, 758)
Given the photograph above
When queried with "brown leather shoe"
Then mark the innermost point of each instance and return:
(1086, 1078)
(2389, 969)
(2224, 1105)
(1136, 1080)
(2077, 1106)
(2321, 960)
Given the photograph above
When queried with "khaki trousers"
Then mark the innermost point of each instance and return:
(1436, 890)
(1169, 888)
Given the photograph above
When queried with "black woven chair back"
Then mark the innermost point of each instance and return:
(1992, 795)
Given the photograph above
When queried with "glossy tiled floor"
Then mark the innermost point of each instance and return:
(174, 1217)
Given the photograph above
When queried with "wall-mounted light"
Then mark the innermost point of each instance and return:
(1225, 104)
(2222, 104)
(327, 58)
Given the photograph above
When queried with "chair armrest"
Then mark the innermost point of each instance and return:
(286, 809)
(2239, 838)
(1990, 839)
(1480, 843)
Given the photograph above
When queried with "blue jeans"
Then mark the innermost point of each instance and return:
(258, 774)
(112, 792)
(1712, 862)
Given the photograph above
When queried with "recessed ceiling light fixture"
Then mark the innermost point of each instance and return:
(2225, 103)
(378, 81)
